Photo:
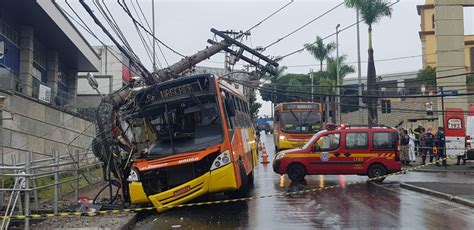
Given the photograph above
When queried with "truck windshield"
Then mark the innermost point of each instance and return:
(185, 125)
(301, 121)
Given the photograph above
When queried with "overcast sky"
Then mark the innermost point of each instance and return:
(185, 26)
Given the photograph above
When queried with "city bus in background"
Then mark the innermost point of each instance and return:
(295, 123)
(194, 136)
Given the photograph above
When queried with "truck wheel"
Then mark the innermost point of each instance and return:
(296, 172)
(377, 170)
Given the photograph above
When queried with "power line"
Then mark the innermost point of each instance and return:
(330, 35)
(87, 29)
(145, 44)
(303, 26)
(112, 24)
(145, 73)
(402, 75)
(149, 27)
(150, 33)
(366, 96)
(269, 16)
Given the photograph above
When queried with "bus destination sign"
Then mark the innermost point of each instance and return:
(172, 92)
(301, 107)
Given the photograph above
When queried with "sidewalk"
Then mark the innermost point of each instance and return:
(462, 193)
(468, 168)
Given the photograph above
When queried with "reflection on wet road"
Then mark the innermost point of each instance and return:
(364, 205)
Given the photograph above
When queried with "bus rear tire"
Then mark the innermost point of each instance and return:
(377, 170)
(296, 172)
(244, 189)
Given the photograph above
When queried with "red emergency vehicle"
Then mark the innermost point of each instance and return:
(455, 131)
(372, 151)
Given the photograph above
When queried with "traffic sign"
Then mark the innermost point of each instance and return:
(450, 92)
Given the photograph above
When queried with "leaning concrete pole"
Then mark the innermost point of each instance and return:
(188, 62)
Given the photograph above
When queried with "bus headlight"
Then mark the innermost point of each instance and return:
(282, 138)
(222, 160)
(279, 156)
(133, 176)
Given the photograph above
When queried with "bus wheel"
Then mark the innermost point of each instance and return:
(244, 186)
(250, 178)
(296, 172)
(377, 170)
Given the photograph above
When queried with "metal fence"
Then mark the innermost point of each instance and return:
(24, 191)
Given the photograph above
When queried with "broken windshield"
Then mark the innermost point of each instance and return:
(185, 125)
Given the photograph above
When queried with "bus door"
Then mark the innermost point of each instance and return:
(455, 131)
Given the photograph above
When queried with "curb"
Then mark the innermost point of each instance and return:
(441, 171)
(438, 194)
(130, 224)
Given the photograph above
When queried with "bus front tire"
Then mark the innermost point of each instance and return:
(296, 172)
(244, 185)
(377, 170)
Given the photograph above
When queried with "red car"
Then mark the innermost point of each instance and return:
(372, 151)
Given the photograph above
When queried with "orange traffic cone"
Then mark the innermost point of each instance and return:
(260, 149)
(264, 156)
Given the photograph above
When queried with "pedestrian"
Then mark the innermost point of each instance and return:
(418, 131)
(404, 141)
(411, 146)
(440, 141)
(427, 144)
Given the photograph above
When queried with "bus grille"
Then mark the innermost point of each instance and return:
(160, 180)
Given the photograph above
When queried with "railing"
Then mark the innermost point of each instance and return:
(59, 99)
(26, 175)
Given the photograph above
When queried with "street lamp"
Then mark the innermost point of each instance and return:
(338, 98)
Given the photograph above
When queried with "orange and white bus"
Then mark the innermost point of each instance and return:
(195, 136)
(295, 123)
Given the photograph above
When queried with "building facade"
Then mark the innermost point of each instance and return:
(428, 36)
(41, 56)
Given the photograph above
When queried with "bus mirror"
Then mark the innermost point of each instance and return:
(229, 105)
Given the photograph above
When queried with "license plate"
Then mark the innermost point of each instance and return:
(182, 190)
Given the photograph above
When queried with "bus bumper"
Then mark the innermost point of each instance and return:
(283, 144)
(218, 180)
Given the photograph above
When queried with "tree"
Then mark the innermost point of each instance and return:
(372, 11)
(344, 69)
(320, 51)
(283, 88)
(427, 76)
(254, 105)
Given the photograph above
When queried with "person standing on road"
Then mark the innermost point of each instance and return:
(404, 141)
(418, 131)
(411, 146)
(440, 140)
(427, 144)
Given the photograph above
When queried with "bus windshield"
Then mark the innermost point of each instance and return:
(301, 121)
(185, 125)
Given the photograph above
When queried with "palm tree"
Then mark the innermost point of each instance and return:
(344, 68)
(372, 11)
(320, 51)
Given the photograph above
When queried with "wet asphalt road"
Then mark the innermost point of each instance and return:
(364, 205)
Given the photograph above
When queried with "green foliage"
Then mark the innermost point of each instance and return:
(371, 10)
(428, 76)
(254, 105)
(320, 51)
(344, 69)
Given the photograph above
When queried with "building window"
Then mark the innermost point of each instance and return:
(40, 54)
(9, 33)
